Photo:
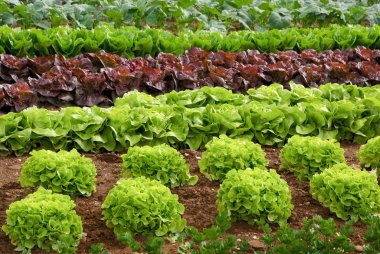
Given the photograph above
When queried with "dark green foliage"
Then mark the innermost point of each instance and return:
(153, 245)
(212, 240)
(98, 248)
(206, 14)
(318, 236)
(128, 239)
(372, 235)
(130, 41)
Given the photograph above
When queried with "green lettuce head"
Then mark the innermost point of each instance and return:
(257, 196)
(63, 172)
(44, 220)
(224, 154)
(161, 162)
(369, 154)
(346, 192)
(305, 156)
(142, 206)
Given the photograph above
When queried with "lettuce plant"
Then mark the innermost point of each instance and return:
(305, 156)
(369, 154)
(45, 220)
(62, 172)
(92, 72)
(346, 192)
(224, 154)
(161, 162)
(142, 206)
(256, 196)
(118, 128)
(136, 99)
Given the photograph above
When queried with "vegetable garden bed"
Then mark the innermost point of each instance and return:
(199, 200)
(134, 42)
(207, 14)
(239, 132)
(99, 78)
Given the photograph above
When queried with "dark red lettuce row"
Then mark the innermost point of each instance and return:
(98, 78)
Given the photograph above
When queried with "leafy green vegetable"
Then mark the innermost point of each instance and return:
(44, 220)
(179, 14)
(132, 42)
(305, 156)
(142, 206)
(86, 127)
(137, 99)
(147, 126)
(372, 235)
(316, 236)
(346, 192)
(62, 172)
(98, 248)
(212, 239)
(223, 154)
(202, 97)
(255, 195)
(154, 245)
(160, 162)
(261, 117)
(369, 154)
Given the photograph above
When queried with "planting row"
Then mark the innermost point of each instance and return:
(143, 204)
(132, 42)
(178, 14)
(99, 78)
(269, 115)
(69, 173)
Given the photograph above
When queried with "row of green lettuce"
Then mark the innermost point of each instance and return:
(133, 42)
(268, 115)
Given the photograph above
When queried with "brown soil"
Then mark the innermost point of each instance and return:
(199, 200)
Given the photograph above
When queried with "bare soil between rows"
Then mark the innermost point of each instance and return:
(199, 200)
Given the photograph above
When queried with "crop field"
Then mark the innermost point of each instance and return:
(189, 127)
(199, 200)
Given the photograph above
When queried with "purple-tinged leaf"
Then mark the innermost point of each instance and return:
(21, 95)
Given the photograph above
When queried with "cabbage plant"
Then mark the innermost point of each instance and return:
(62, 172)
(142, 206)
(257, 196)
(45, 220)
(161, 162)
(305, 156)
(346, 192)
(224, 154)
